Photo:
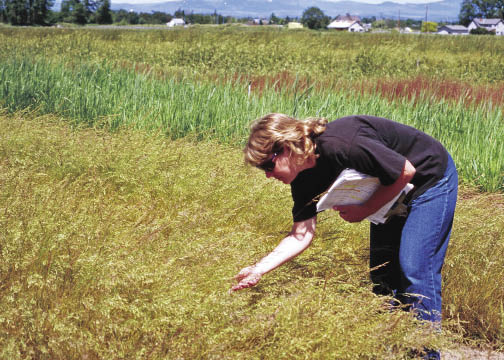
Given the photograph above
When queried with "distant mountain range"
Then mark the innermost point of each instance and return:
(446, 10)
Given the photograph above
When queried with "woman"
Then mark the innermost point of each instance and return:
(309, 155)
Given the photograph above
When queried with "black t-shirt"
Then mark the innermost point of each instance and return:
(375, 146)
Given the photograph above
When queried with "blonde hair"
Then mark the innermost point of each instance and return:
(274, 132)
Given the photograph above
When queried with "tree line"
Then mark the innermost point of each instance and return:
(81, 12)
(486, 9)
(25, 12)
(39, 12)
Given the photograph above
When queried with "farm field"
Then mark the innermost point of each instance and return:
(127, 208)
(251, 52)
(123, 245)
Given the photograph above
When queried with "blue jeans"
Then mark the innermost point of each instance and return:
(414, 248)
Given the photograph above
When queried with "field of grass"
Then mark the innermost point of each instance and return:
(126, 208)
(251, 51)
(99, 95)
(123, 246)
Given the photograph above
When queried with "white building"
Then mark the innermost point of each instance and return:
(175, 22)
(453, 30)
(294, 25)
(346, 25)
(496, 25)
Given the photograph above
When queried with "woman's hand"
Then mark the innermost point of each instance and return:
(352, 213)
(291, 246)
(246, 278)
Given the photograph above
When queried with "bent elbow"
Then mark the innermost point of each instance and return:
(409, 170)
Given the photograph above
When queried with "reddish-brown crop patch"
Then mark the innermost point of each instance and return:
(391, 89)
(411, 89)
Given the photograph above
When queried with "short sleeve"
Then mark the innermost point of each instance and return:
(303, 194)
(307, 188)
(302, 212)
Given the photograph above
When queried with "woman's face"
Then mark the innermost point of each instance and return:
(286, 169)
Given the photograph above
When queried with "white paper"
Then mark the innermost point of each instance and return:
(355, 188)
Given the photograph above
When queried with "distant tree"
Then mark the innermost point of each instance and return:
(274, 19)
(179, 14)
(103, 14)
(379, 24)
(200, 18)
(471, 9)
(390, 23)
(65, 12)
(415, 24)
(25, 12)
(159, 17)
(79, 14)
(481, 31)
(133, 18)
(78, 11)
(429, 27)
(39, 12)
(145, 18)
(16, 12)
(120, 16)
(314, 18)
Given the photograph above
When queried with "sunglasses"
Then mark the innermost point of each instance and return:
(268, 165)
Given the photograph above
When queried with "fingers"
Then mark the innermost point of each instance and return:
(247, 282)
(243, 273)
(240, 286)
(342, 210)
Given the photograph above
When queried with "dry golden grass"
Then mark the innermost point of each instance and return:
(474, 271)
(123, 245)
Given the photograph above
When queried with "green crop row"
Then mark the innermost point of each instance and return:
(97, 95)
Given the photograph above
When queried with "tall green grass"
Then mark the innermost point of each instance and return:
(99, 95)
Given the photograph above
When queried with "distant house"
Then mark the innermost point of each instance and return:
(346, 25)
(496, 25)
(175, 22)
(347, 17)
(258, 21)
(294, 25)
(453, 30)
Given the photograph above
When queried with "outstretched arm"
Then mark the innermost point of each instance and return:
(292, 245)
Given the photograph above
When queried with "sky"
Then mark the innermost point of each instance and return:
(363, 1)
